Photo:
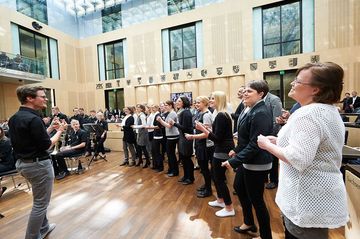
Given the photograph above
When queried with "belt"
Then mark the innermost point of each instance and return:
(33, 160)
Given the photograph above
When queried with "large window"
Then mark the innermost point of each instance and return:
(279, 84)
(114, 60)
(282, 29)
(114, 99)
(36, 9)
(177, 6)
(111, 18)
(35, 46)
(182, 47)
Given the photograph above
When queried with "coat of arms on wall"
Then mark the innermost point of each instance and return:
(139, 80)
(118, 83)
(128, 81)
(176, 76)
(236, 69)
(151, 79)
(203, 72)
(293, 62)
(272, 64)
(108, 85)
(253, 66)
(219, 71)
(163, 78)
(315, 58)
(99, 86)
(189, 74)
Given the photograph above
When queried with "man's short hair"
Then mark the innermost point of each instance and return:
(25, 91)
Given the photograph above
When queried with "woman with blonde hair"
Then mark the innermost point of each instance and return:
(221, 135)
(102, 137)
(204, 148)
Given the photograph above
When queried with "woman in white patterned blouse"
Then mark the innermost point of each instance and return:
(311, 193)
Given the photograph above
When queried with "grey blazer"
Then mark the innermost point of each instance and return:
(274, 104)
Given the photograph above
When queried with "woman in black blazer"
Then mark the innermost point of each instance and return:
(252, 163)
(129, 136)
(185, 126)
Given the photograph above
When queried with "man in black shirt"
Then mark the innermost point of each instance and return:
(30, 141)
(74, 145)
(56, 113)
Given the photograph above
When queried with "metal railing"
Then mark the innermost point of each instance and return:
(22, 63)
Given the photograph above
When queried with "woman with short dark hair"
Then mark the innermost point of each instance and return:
(311, 193)
(252, 163)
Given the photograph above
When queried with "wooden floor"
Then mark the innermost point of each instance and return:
(109, 201)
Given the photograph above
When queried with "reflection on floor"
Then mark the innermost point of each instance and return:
(109, 201)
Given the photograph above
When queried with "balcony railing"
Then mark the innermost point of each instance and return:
(22, 63)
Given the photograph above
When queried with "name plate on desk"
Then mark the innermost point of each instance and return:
(352, 182)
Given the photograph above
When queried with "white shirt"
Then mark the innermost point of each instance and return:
(150, 121)
(311, 190)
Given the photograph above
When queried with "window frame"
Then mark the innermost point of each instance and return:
(105, 65)
(281, 42)
(109, 11)
(193, 24)
(48, 47)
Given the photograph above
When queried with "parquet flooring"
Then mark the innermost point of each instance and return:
(109, 201)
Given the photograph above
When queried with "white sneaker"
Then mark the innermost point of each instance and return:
(216, 204)
(225, 213)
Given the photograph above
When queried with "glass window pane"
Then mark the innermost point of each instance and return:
(109, 56)
(290, 19)
(290, 48)
(36, 9)
(42, 54)
(177, 65)
(273, 79)
(176, 44)
(110, 75)
(272, 50)
(189, 38)
(190, 63)
(271, 25)
(27, 43)
(119, 58)
(288, 78)
(111, 18)
(177, 6)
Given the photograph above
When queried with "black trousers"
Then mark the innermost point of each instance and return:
(170, 151)
(219, 176)
(142, 149)
(59, 160)
(249, 186)
(157, 153)
(204, 155)
(100, 145)
(188, 166)
(274, 172)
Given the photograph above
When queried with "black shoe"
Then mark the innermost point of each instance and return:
(204, 194)
(172, 174)
(131, 164)
(196, 168)
(181, 180)
(249, 229)
(158, 170)
(62, 175)
(271, 185)
(201, 188)
(124, 163)
(187, 182)
(146, 165)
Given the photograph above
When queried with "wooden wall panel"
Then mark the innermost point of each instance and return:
(141, 95)
(235, 83)
(206, 87)
(164, 92)
(153, 94)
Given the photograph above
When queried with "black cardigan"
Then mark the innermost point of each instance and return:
(221, 133)
(257, 121)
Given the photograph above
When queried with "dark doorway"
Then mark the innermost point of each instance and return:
(114, 99)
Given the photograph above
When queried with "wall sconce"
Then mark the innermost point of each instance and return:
(36, 26)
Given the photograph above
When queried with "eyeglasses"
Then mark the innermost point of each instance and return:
(42, 96)
(298, 81)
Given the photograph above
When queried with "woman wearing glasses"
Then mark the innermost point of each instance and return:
(311, 193)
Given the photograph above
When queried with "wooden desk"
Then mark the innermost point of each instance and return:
(352, 182)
